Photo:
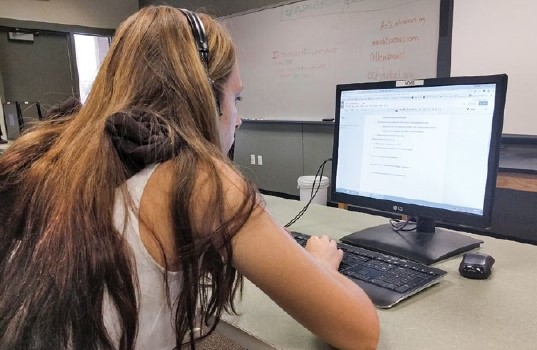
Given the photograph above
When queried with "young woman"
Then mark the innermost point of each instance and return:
(124, 223)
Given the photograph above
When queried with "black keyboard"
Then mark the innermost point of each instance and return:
(386, 279)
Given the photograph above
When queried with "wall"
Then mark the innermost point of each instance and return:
(47, 57)
(288, 150)
(497, 36)
(89, 13)
(86, 13)
(489, 37)
(292, 57)
(38, 71)
(2, 122)
(217, 7)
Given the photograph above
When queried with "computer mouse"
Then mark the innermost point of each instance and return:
(476, 266)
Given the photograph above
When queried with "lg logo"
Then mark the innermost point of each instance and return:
(397, 208)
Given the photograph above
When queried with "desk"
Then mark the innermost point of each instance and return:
(458, 313)
(517, 181)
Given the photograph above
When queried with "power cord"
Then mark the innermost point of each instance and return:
(313, 192)
(401, 225)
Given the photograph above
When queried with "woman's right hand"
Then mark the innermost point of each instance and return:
(325, 251)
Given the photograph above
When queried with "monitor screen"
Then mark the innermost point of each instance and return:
(427, 148)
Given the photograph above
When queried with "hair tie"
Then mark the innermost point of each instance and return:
(140, 139)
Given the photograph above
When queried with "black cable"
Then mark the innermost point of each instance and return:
(401, 225)
(301, 212)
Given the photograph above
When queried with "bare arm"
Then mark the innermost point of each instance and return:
(306, 283)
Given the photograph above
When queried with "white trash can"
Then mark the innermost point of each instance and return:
(305, 184)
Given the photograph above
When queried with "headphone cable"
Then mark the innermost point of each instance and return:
(313, 192)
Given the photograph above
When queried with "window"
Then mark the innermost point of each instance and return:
(90, 52)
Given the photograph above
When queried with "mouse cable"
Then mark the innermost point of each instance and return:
(313, 192)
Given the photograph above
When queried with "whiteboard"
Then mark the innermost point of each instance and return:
(291, 57)
(495, 36)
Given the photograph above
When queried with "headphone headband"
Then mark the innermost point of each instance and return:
(200, 37)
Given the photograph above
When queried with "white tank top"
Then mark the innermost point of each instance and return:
(155, 319)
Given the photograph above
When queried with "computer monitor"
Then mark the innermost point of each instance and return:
(424, 149)
(12, 120)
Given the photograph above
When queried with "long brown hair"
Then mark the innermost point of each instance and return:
(59, 250)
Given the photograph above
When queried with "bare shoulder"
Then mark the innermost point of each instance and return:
(234, 189)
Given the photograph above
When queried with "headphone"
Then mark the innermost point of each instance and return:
(200, 37)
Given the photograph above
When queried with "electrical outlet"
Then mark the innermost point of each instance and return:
(252, 159)
(259, 160)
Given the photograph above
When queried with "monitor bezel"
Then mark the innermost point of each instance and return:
(387, 206)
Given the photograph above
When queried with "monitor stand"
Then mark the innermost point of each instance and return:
(427, 244)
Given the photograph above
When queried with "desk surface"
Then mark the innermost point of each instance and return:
(458, 313)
